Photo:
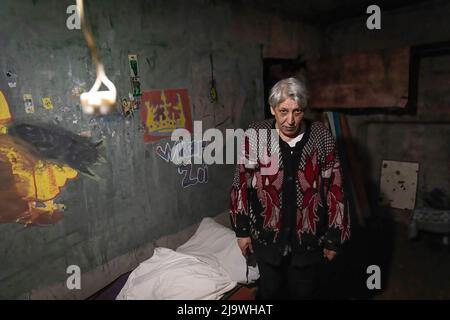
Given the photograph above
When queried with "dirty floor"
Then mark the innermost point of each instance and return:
(410, 269)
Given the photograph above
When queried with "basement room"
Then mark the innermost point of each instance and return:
(224, 150)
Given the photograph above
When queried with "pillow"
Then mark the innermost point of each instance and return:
(170, 275)
(215, 244)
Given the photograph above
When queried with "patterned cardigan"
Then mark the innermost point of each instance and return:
(322, 219)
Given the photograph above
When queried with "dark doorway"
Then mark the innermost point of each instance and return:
(275, 70)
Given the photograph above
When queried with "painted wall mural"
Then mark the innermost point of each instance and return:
(164, 111)
(36, 163)
(5, 114)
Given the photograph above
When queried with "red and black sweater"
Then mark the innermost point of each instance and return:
(314, 216)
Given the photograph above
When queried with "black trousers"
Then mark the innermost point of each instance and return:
(285, 281)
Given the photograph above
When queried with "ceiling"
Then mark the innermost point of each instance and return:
(330, 11)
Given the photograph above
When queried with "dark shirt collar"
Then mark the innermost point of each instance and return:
(304, 127)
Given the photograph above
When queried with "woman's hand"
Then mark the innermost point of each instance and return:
(245, 244)
(329, 254)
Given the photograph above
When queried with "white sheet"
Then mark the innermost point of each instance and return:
(204, 268)
(214, 243)
(171, 275)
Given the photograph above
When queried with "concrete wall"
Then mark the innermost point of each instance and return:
(110, 224)
(419, 138)
(426, 22)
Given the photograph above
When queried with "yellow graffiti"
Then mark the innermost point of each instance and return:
(41, 180)
(47, 103)
(50, 178)
(37, 181)
(47, 212)
(5, 114)
(169, 124)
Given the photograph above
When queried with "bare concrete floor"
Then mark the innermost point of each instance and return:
(418, 269)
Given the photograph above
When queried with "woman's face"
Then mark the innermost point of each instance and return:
(288, 116)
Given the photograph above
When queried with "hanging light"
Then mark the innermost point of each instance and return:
(94, 101)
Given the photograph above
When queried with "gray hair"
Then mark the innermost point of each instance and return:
(289, 88)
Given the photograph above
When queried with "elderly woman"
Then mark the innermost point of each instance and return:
(294, 217)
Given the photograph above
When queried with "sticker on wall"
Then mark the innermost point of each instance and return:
(134, 75)
(135, 102)
(47, 103)
(28, 103)
(136, 86)
(164, 111)
(127, 107)
(12, 79)
(398, 184)
(132, 59)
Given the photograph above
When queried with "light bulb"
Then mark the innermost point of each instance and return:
(88, 109)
